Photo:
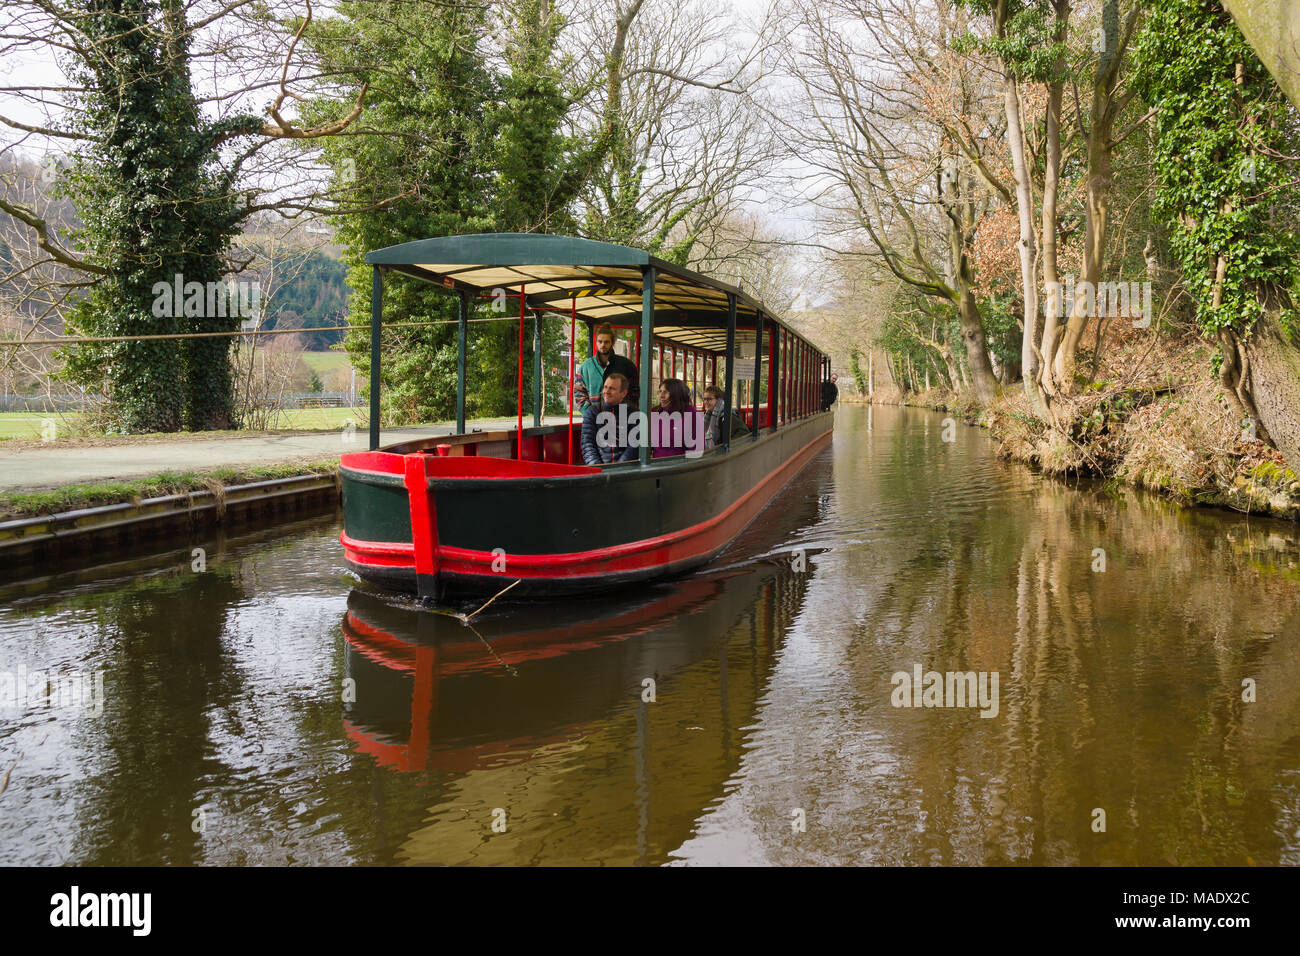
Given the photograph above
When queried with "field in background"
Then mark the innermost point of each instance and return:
(333, 368)
(322, 362)
(30, 424)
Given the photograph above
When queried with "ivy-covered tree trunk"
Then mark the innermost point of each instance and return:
(157, 214)
(1229, 197)
(431, 134)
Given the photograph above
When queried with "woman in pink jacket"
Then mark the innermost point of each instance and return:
(676, 427)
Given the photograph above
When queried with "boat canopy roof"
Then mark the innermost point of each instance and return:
(602, 282)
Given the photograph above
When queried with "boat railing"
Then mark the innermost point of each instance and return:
(547, 444)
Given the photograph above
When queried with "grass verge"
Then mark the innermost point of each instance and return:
(32, 504)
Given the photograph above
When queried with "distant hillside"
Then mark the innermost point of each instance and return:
(313, 294)
(297, 268)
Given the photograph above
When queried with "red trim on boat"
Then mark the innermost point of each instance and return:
(375, 462)
(378, 554)
(464, 466)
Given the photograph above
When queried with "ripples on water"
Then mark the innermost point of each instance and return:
(226, 736)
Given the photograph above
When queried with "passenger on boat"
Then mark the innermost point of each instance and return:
(605, 437)
(830, 392)
(715, 408)
(591, 374)
(676, 427)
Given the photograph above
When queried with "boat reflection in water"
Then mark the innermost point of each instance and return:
(597, 731)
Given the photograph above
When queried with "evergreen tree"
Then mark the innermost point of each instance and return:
(455, 150)
(425, 168)
(538, 173)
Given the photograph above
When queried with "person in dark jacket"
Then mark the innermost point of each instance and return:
(604, 436)
(715, 407)
(830, 392)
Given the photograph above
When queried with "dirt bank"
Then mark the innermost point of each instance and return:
(1157, 419)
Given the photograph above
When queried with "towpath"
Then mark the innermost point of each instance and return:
(30, 465)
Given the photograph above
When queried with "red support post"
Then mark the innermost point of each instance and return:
(794, 381)
(797, 355)
(807, 358)
(794, 376)
(782, 374)
(803, 352)
(811, 383)
(785, 373)
(789, 377)
(773, 406)
(573, 342)
(803, 381)
(807, 372)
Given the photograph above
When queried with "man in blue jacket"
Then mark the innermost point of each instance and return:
(589, 379)
(603, 440)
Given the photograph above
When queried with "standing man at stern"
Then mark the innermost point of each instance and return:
(830, 392)
(590, 377)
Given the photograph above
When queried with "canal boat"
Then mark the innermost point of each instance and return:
(470, 514)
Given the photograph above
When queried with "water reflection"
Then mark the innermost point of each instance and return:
(267, 710)
(594, 739)
(1121, 689)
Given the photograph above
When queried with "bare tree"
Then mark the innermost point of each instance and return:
(669, 84)
(1110, 97)
(905, 139)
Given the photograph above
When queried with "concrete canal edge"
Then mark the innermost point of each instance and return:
(46, 540)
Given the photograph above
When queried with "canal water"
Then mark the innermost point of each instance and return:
(254, 704)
